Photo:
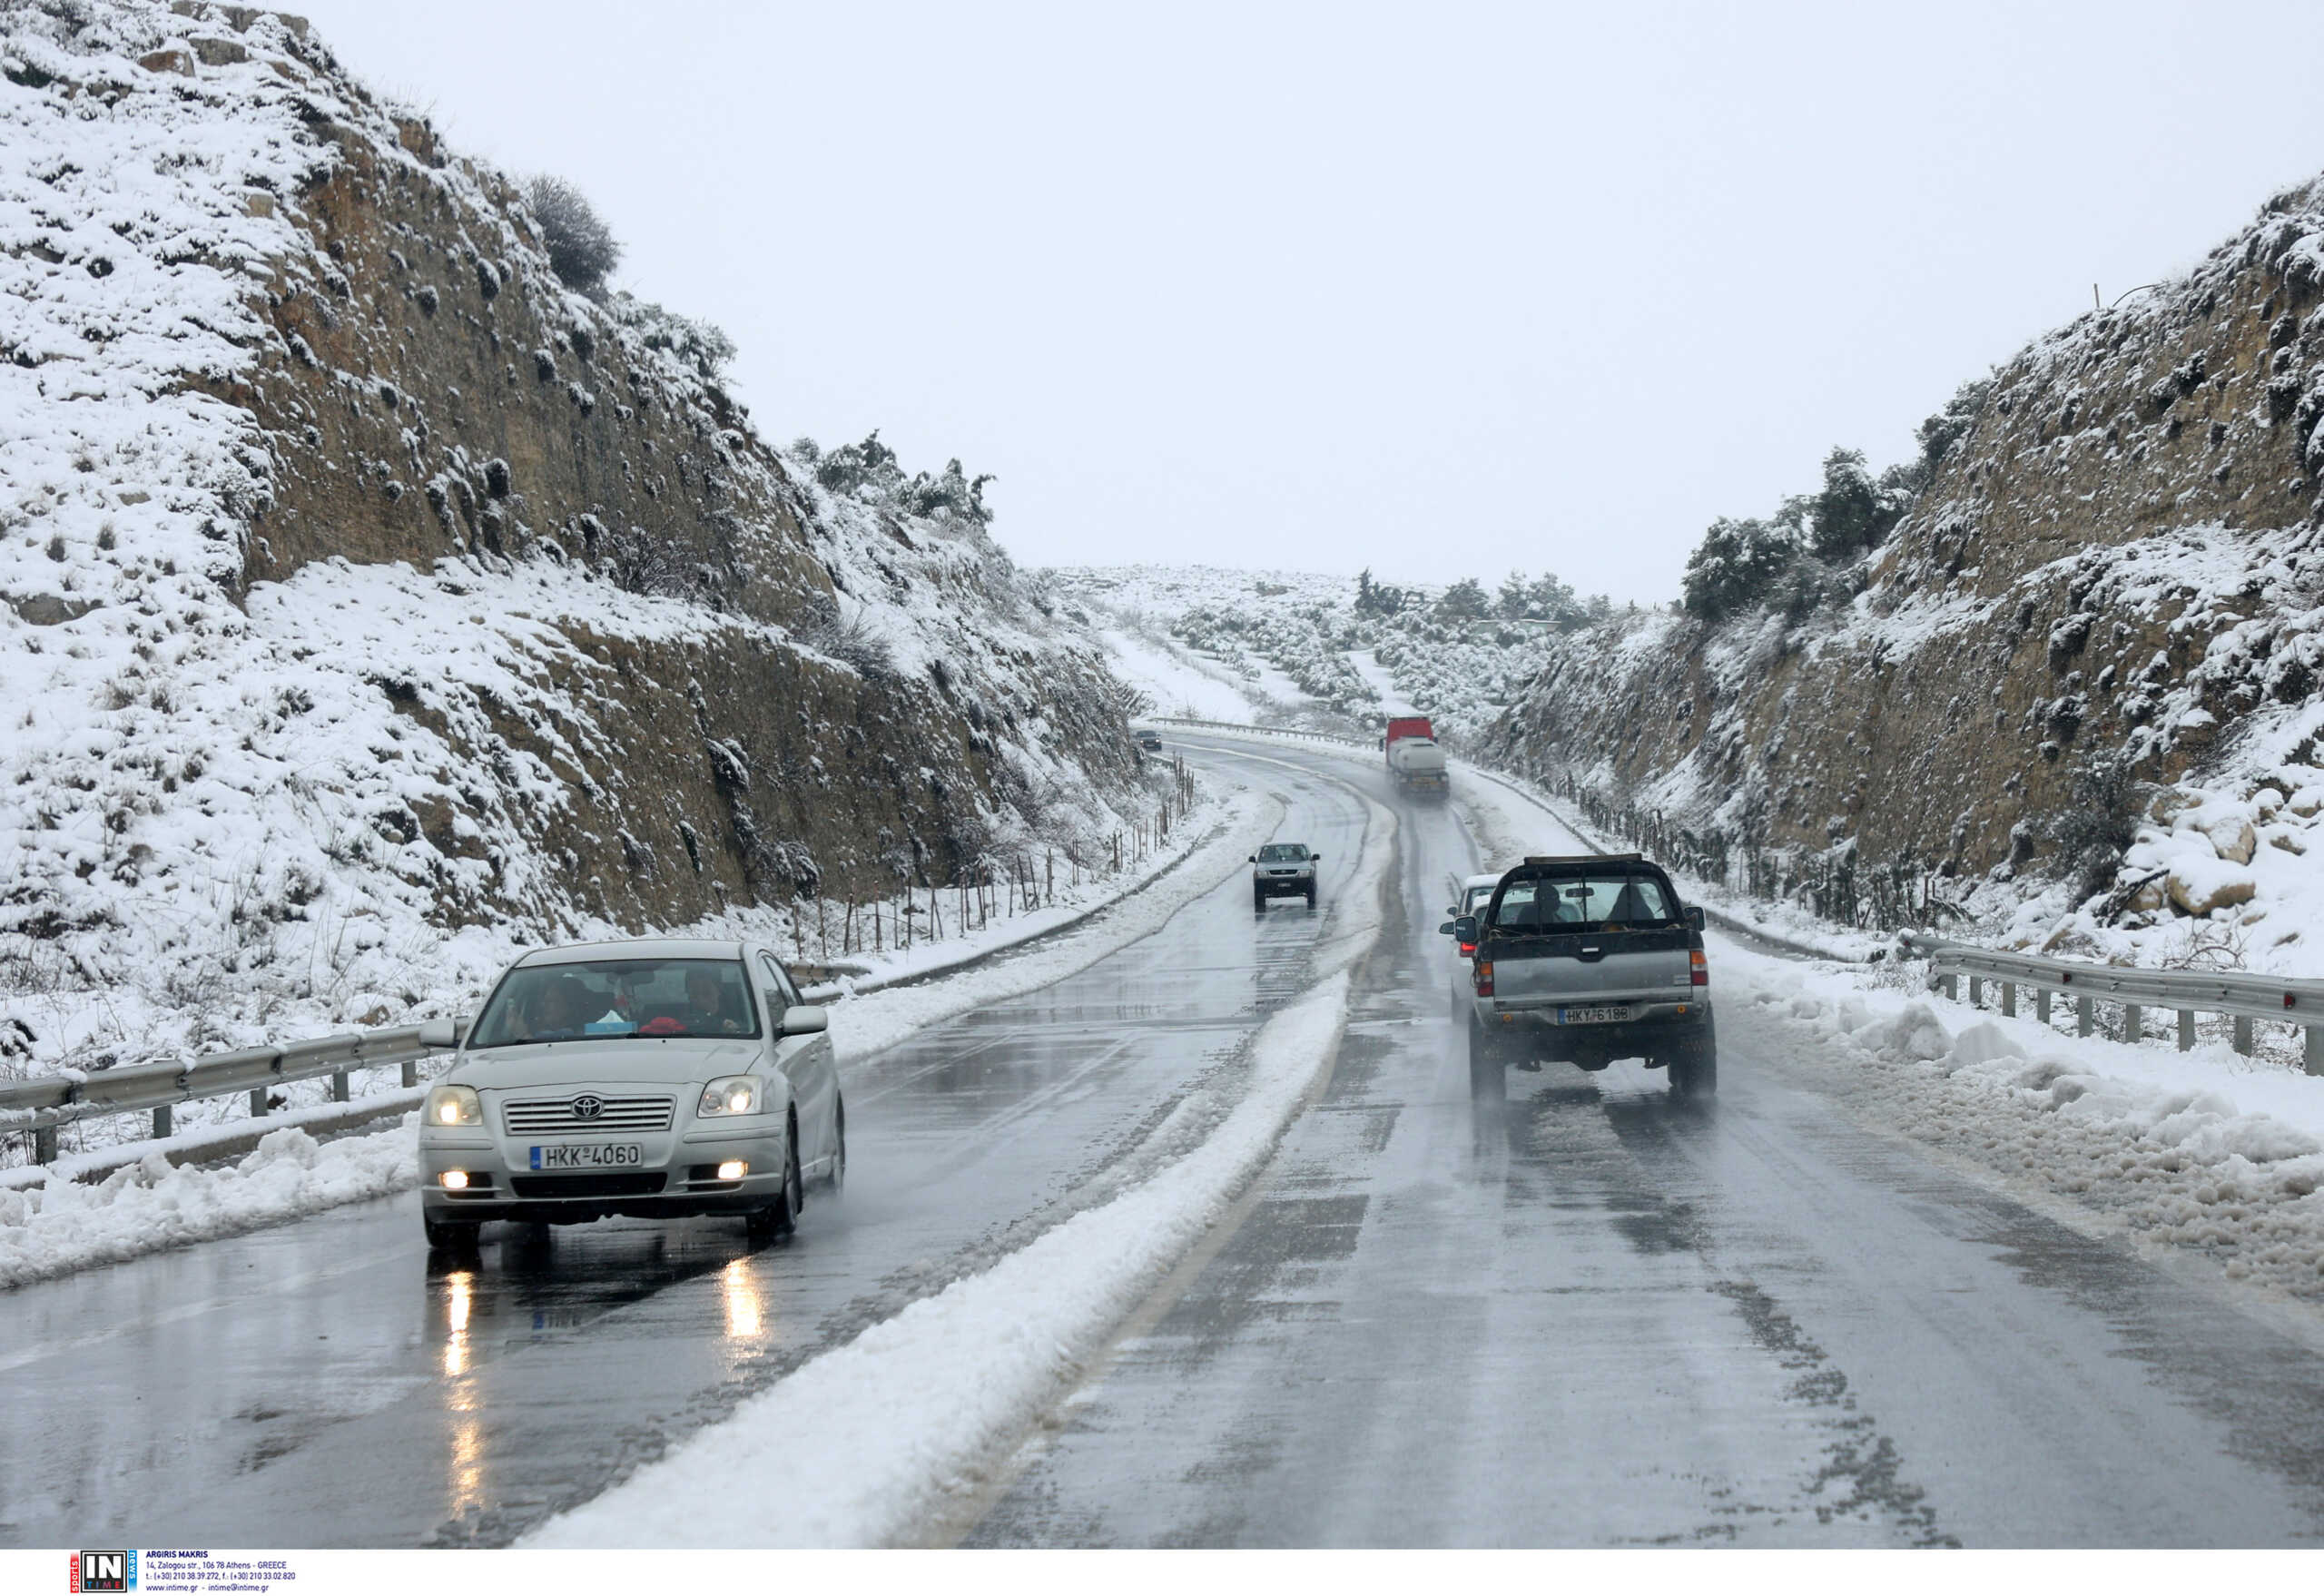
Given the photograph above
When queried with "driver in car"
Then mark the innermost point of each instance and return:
(706, 997)
(559, 1012)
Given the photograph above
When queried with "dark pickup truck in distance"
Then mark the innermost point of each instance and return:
(1588, 960)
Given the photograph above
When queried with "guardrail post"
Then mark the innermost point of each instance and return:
(2313, 1058)
(2085, 1015)
(338, 1087)
(1951, 984)
(411, 1072)
(2009, 999)
(1976, 992)
(2132, 1030)
(161, 1121)
(2243, 1035)
(2042, 1004)
(2186, 1030)
(258, 1102)
(45, 1145)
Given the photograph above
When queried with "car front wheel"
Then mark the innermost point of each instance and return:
(836, 1181)
(780, 1216)
(450, 1235)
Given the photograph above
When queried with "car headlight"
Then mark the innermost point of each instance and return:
(455, 1105)
(734, 1094)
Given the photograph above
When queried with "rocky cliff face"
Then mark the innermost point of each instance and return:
(358, 572)
(2113, 578)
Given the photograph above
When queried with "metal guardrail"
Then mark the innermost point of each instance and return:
(43, 1103)
(2188, 993)
(1296, 732)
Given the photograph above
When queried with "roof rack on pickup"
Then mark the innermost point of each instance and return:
(1585, 859)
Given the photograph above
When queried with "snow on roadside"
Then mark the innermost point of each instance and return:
(899, 1411)
(907, 1409)
(61, 1227)
(1181, 683)
(2206, 1149)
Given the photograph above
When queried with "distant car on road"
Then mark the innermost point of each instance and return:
(1474, 892)
(1151, 741)
(653, 1077)
(1282, 870)
(1588, 960)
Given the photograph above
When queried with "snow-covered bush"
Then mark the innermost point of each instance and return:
(582, 249)
(870, 471)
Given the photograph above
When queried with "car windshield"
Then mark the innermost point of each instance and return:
(1282, 853)
(1605, 903)
(1479, 896)
(618, 998)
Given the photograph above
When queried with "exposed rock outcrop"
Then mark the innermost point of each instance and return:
(359, 572)
(2116, 569)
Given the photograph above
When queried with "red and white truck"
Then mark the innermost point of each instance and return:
(1415, 762)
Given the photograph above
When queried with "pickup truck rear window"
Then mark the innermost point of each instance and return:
(1609, 903)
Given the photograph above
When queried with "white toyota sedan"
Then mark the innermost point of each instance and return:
(654, 1078)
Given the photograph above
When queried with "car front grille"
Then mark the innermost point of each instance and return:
(587, 1185)
(544, 1116)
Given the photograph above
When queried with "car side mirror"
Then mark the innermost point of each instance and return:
(1250, 859)
(1313, 857)
(803, 1019)
(1465, 928)
(443, 1033)
(1694, 917)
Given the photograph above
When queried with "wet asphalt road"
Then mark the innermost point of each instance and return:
(318, 1384)
(1600, 1316)
(1594, 1316)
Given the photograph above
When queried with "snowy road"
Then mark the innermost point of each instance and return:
(1606, 1318)
(315, 1384)
(1596, 1317)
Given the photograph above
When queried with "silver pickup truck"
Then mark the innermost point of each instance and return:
(1588, 960)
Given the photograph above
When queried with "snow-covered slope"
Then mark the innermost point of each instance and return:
(2072, 700)
(374, 603)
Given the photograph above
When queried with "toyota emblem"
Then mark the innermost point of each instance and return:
(588, 1106)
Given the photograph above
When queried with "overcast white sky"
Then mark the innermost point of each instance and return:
(1437, 290)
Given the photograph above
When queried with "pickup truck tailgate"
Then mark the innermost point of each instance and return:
(1591, 967)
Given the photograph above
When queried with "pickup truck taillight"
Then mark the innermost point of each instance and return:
(1697, 968)
(1483, 978)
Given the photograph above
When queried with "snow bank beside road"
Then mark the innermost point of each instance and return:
(2204, 1149)
(56, 1228)
(857, 1447)
(861, 1446)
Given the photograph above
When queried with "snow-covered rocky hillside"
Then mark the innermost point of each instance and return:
(2074, 699)
(1295, 645)
(373, 602)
